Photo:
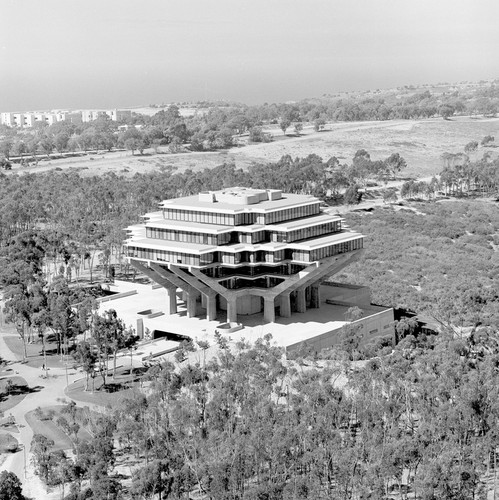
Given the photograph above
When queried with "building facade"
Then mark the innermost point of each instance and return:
(242, 251)
(28, 120)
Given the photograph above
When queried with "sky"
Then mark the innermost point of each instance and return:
(77, 54)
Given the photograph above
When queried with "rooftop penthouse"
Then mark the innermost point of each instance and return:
(241, 251)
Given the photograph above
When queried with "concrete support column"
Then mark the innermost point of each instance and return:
(285, 305)
(301, 301)
(269, 310)
(171, 301)
(211, 307)
(315, 296)
(232, 310)
(203, 300)
(191, 304)
(140, 328)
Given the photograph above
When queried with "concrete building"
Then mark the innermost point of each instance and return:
(119, 114)
(113, 114)
(234, 254)
(243, 251)
(18, 120)
(7, 119)
(28, 120)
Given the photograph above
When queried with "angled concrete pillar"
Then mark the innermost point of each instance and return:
(231, 309)
(211, 307)
(315, 296)
(192, 298)
(269, 309)
(285, 310)
(171, 301)
(301, 301)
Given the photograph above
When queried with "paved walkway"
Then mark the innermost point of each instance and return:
(52, 390)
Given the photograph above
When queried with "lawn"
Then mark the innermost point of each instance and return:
(116, 390)
(44, 423)
(8, 443)
(35, 352)
(13, 396)
(50, 430)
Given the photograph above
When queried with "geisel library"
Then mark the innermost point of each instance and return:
(255, 256)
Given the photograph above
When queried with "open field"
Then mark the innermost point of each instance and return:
(420, 142)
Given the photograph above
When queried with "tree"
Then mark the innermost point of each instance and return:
(87, 357)
(487, 140)
(298, 128)
(21, 275)
(395, 163)
(446, 111)
(61, 141)
(132, 143)
(41, 448)
(10, 486)
(109, 335)
(175, 145)
(256, 134)
(5, 147)
(319, 124)
(471, 147)
(151, 479)
(19, 148)
(64, 320)
(130, 343)
(284, 125)
(352, 195)
(47, 145)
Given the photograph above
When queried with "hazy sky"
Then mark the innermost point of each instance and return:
(117, 53)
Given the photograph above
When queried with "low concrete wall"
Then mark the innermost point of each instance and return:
(353, 294)
(116, 296)
(229, 327)
(374, 326)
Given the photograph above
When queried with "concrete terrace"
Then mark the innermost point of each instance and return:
(286, 332)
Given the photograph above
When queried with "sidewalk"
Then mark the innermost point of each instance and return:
(20, 463)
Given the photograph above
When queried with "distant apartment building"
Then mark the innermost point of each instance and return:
(7, 119)
(74, 118)
(112, 114)
(28, 120)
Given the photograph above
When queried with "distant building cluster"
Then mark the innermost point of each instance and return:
(28, 120)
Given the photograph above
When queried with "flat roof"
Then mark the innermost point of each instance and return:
(331, 239)
(303, 222)
(288, 200)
